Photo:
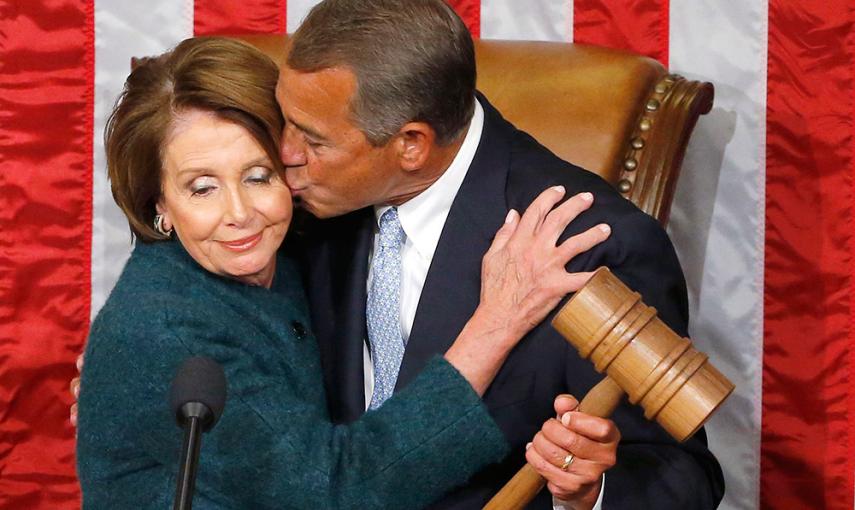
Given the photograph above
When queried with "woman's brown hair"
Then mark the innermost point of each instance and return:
(231, 79)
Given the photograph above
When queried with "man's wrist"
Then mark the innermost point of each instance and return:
(591, 500)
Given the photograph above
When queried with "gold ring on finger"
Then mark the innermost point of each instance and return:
(567, 461)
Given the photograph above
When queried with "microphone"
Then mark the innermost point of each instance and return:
(197, 398)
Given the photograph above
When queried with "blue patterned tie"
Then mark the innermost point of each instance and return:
(384, 309)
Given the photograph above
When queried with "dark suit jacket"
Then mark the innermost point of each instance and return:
(509, 170)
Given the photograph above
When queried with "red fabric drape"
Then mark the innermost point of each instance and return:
(640, 26)
(45, 231)
(806, 450)
(213, 17)
(45, 196)
(470, 12)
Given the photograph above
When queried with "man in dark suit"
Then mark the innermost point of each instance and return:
(382, 114)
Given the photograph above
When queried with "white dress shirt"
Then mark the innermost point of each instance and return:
(422, 218)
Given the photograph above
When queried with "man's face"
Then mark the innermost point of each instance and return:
(331, 166)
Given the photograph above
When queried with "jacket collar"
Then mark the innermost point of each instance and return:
(452, 288)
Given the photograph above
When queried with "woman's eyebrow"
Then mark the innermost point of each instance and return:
(260, 161)
(192, 170)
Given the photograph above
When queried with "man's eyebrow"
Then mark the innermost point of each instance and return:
(309, 131)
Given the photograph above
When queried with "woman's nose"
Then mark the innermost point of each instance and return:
(237, 208)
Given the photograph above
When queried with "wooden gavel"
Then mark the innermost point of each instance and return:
(642, 357)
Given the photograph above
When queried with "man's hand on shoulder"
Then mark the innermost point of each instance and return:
(573, 452)
(74, 388)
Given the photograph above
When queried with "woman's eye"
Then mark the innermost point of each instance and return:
(202, 191)
(259, 176)
(202, 186)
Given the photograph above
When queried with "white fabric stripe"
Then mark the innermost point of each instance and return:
(718, 219)
(297, 10)
(537, 20)
(123, 29)
(570, 22)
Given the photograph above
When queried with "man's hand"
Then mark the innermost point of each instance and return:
(573, 453)
(524, 273)
(74, 387)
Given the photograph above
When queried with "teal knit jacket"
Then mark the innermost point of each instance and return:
(274, 446)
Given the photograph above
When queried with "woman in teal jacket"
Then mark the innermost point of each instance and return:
(192, 156)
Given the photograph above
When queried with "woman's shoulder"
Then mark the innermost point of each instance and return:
(158, 282)
(154, 271)
(162, 290)
(157, 265)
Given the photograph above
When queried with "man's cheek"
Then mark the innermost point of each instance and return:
(294, 177)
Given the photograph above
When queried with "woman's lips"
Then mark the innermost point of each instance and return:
(238, 245)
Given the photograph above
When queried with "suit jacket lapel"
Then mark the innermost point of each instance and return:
(338, 263)
(452, 287)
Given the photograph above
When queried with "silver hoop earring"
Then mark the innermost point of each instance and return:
(158, 226)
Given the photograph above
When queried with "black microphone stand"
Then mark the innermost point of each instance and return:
(197, 397)
(197, 415)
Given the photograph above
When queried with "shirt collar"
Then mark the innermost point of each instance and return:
(423, 216)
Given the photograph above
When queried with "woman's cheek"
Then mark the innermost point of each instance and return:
(201, 220)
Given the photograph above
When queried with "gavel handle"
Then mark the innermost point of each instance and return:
(523, 487)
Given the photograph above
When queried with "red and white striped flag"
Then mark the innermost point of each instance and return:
(763, 218)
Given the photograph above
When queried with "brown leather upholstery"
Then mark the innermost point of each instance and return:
(615, 113)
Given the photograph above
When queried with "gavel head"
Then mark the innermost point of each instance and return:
(675, 384)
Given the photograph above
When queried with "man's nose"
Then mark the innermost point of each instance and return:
(293, 151)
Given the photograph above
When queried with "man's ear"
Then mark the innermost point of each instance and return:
(414, 143)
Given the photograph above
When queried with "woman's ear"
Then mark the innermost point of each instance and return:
(161, 210)
(414, 143)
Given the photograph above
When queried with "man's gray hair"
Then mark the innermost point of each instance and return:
(413, 60)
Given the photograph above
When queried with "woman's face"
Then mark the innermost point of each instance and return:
(222, 195)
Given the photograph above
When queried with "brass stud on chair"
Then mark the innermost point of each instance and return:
(630, 164)
(624, 186)
(652, 105)
(638, 143)
(645, 124)
(661, 87)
